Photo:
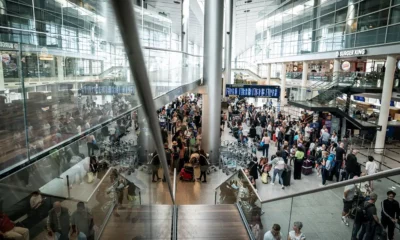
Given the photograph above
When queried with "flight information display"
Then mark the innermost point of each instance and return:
(256, 91)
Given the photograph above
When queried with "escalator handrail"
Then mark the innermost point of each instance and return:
(379, 175)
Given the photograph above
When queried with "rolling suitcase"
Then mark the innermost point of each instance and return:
(274, 137)
(306, 169)
(286, 176)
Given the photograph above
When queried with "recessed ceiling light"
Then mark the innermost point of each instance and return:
(246, 11)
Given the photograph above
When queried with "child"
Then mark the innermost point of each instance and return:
(371, 168)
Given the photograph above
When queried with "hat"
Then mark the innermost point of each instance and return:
(174, 143)
(373, 196)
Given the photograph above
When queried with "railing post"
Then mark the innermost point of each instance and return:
(69, 193)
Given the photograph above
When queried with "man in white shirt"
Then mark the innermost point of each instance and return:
(274, 233)
(348, 195)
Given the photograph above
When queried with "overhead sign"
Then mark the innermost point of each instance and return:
(350, 53)
(256, 91)
(8, 45)
(107, 90)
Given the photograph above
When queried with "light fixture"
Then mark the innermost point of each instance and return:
(246, 11)
(177, 2)
(248, 1)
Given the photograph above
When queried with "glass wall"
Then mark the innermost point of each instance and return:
(308, 26)
(64, 71)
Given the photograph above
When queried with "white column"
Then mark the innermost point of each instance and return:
(304, 77)
(283, 84)
(385, 102)
(336, 69)
(212, 72)
(2, 76)
(228, 44)
(269, 74)
(53, 67)
(185, 25)
(60, 69)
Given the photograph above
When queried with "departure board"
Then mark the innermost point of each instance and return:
(256, 91)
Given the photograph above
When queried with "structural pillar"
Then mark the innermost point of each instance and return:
(60, 69)
(304, 79)
(2, 76)
(185, 10)
(212, 71)
(385, 102)
(268, 73)
(228, 44)
(283, 84)
(336, 69)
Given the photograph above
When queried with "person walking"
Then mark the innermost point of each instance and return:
(279, 167)
(340, 155)
(266, 141)
(298, 162)
(348, 196)
(371, 168)
(390, 214)
(372, 221)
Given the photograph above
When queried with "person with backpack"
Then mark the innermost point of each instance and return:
(298, 162)
(330, 166)
(390, 214)
(366, 219)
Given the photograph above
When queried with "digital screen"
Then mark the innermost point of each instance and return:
(256, 91)
(358, 98)
(107, 90)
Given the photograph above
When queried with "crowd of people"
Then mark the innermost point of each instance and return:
(182, 121)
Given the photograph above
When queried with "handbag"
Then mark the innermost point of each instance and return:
(90, 176)
(262, 144)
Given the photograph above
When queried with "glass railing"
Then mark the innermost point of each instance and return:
(38, 114)
(303, 214)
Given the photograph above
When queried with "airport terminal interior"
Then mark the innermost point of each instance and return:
(200, 119)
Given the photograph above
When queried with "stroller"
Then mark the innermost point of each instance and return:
(187, 174)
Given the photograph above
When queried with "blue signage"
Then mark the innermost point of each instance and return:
(107, 90)
(256, 91)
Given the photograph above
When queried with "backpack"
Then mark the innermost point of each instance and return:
(156, 160)
(192, 142)
(330, 163)
(362, 214)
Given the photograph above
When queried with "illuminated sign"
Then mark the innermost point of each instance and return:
(107, 90)
(350, 53)
(256, 91)
(346, 66)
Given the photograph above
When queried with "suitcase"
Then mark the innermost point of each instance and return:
(306, 169)
(274, 137)
(286, 176)
(264, 178)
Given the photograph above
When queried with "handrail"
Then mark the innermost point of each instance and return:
(170, 50)
(379, 175)
(174, 185)
(254, 190)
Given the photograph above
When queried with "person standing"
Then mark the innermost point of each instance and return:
(340, 155)
(352, 167)
(203, 165)
(390, 214)
(83, 220)
(372, 220)
(274, 233)
(298, 162)
(325, 137)
(58, 221)
(155, 165)
(279, 167)
(266, 140)
(296, 234)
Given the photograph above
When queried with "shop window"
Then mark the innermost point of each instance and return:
(394, 15)
(393, 34)
(369, 6)
(371, 37)
(374, 20)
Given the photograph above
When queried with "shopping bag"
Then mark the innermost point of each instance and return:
(90, 177)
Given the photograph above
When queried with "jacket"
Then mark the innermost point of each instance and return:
(390, 209)
(351, 163)
(52, 223)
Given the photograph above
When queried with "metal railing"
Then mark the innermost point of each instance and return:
(379, 175)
